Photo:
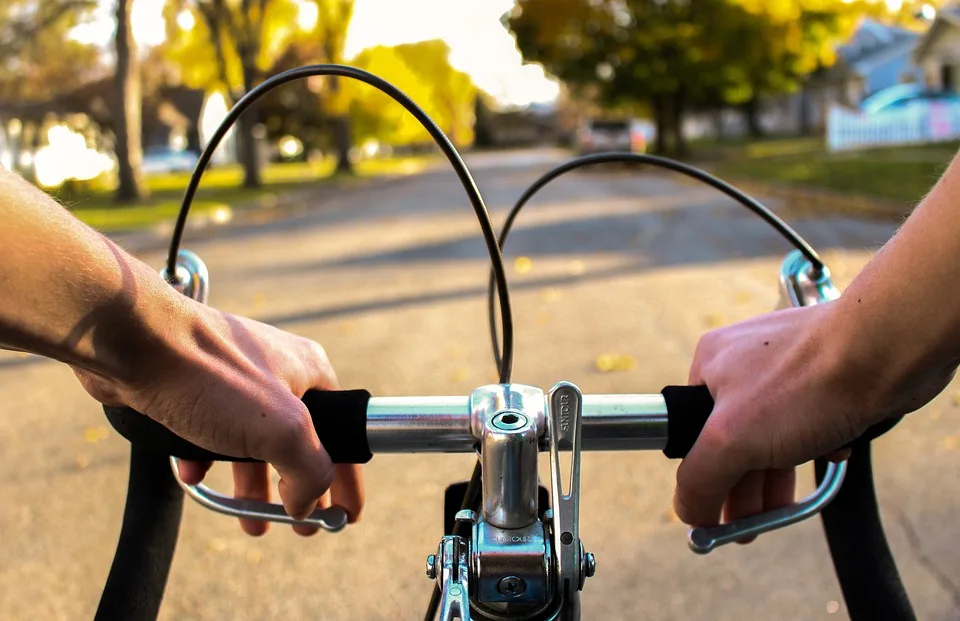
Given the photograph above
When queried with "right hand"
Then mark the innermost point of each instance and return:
(789, 386)
(233, 386)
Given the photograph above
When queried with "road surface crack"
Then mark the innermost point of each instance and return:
(928, 563)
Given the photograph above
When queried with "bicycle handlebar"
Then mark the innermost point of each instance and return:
(352, 425)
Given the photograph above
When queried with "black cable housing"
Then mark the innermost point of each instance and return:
(640, 158)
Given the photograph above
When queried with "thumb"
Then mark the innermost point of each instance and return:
(707, 474)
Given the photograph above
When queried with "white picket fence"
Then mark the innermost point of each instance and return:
(917, 123)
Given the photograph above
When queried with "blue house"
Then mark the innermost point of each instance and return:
(876, 57)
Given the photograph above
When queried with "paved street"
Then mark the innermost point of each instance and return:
(392, 280)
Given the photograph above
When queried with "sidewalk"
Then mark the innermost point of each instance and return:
(255, 212)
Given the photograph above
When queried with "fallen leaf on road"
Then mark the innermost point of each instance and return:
(550, 295)
(951, 443)
(609, 363)
(713, 320)
(94, 434)
(459, 375)
(253, 557)
(217, 545)
(83, 460)
(522, 265)
(671, 516)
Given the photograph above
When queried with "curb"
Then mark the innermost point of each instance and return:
(255, 212)
(809, 200)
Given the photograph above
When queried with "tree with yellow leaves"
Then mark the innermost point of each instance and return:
(675, 55)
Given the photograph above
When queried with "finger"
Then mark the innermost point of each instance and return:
(192, 472)
(745, 499)
(838, 456)
(779, 488)
(252, 482)
(305, 469)
(348, 490)
(305, 530)
(707, 474)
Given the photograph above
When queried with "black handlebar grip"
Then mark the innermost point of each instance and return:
(688, 408)
(339, 416)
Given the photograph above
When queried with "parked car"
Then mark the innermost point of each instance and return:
(165, 159)
(598, 135)
(903, 95)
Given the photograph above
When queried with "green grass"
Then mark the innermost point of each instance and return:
(220, 189)
(897, 174)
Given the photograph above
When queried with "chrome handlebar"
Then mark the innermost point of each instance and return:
(513, 557)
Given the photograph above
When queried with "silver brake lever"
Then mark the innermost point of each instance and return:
(565, 423)
(800, 285)
(192, 279)
(332, 519)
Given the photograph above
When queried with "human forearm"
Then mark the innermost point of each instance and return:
(900, 317)
(69, 293)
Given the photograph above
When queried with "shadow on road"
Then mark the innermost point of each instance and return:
(665, 237)
(460, 293)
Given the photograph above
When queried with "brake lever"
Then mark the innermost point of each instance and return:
(332, 519)
(565, 405)
(801, 284)
(192, 279)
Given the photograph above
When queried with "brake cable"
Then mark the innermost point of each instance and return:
(661, 162)
(505, 364)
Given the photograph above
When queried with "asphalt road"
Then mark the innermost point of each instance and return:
(392, 281)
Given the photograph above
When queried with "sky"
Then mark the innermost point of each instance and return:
(479, 44)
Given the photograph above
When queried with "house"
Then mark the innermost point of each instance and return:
(877, 56)
(172, 115)
(938, 52)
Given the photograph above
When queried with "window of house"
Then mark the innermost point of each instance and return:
(947, 78)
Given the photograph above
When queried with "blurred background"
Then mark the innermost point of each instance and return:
(107, 104)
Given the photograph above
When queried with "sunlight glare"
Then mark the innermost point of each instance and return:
(68, 157)
(185, 20)
(307, 13)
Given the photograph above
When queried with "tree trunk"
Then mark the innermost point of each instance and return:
(16, 150)
(751, 114)
(127, 110)
(248, 144)
(679, 98)
(660, 114)
(805, 96)
(718, 124)
(31, 130)
(341, 135)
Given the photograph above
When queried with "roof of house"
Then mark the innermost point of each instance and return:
(949, 16)
(874, 43)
